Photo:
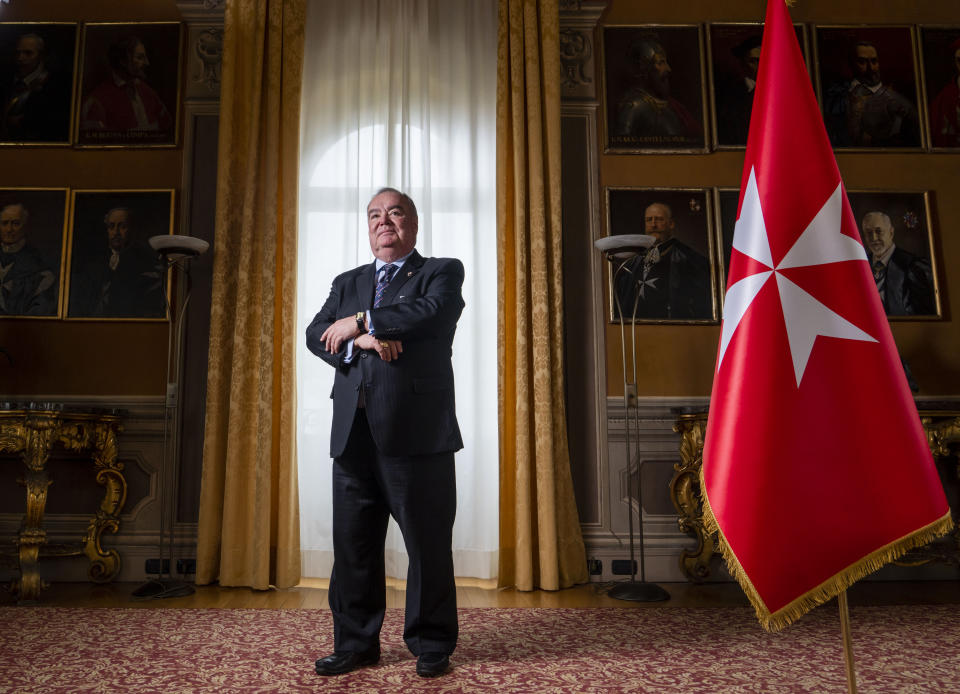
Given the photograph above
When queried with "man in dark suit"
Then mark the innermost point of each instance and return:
(387, 328)
(122, 279)
(670, 280)
(904, 280)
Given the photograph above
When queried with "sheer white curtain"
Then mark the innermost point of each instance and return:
(402, 93)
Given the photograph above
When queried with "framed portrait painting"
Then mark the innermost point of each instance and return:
(727, 200)
(129, 85)
(733, 60)
(673, 280)
(940, 63)
(36, 82)
(114, 274)
(897, 234)
(654, 89)
(32, 230)
(868, 87)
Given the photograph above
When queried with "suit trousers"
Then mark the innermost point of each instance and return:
(420, 493)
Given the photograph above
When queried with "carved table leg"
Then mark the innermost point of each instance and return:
(685, 494)
(104, 566)
(38, 439)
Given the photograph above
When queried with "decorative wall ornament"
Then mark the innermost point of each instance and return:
(202, 11)
(576, 49)
(578, 22)
(206, 60)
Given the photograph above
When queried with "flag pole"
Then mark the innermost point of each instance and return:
(847, 642)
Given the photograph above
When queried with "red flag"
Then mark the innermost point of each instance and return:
(816, 469)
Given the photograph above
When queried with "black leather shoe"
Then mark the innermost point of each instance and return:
(432, 664)
(345, 661)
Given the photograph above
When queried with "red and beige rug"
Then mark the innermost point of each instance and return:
(711, 650)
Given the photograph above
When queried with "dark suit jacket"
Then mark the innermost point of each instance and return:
(909, 286)
(409, 401)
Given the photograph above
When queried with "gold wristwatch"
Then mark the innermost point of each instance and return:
(361, 316)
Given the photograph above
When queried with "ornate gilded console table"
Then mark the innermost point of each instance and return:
(32, 431)
(943, 433)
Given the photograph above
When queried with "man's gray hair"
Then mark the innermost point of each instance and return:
(407, 200)
(880, 213)
(41, 44)
(663, 205)
(24, 212)
(119, 209)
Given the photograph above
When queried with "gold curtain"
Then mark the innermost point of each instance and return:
(540, 541)
(249, 531)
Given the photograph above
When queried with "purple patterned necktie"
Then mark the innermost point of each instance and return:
(387, 274)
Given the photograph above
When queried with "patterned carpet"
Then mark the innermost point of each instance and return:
(717, 650)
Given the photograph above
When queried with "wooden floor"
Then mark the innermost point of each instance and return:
(312, 593)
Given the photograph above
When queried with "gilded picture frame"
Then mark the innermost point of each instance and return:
(37, 82)
(33, 226)
(113, 274)
(940, 77)
(654, 89)
(869, 88)
(129, 94)
(674, 281)
(733, 56)
(899, 229)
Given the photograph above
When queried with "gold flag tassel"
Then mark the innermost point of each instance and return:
(830, 588)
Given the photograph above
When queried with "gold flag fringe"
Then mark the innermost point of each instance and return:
(830, 588)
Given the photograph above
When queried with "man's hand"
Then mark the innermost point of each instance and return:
(387, 349)
(339, 332)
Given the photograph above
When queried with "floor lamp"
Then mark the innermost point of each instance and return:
(175, 252)
(620, 249)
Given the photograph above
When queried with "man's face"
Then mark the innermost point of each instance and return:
(137, 62)
(751, 62)
(867, 65)
(12, 227)
(658, 222)
(392, 227)
(27, 55)
(877, 233)
(660, 75)
(118, 227)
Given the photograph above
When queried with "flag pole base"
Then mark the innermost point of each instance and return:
(638, 591)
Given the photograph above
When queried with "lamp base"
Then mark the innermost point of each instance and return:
(638, 591)
(158, 588)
